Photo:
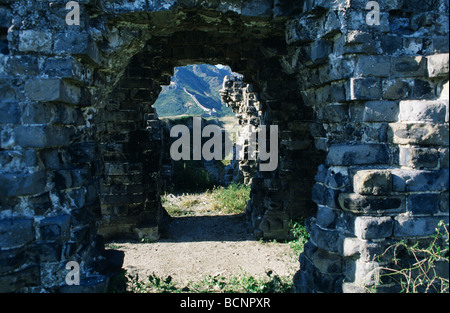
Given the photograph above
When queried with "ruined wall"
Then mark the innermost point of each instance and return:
(381, 94)
(362, 112)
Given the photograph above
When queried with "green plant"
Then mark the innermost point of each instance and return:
(231, 199)
(242, 284)
(417, 269)
(212, 284)
(300, 236)
(118, 283)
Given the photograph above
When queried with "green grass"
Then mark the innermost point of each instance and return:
(231, 199)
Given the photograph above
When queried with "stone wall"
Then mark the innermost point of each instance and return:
(362, 112)
(238, 95)
(381, 94)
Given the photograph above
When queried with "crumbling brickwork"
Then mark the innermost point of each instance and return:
(362, 110)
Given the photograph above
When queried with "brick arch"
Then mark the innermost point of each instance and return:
(353, 142)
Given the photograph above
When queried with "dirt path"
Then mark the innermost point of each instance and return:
(195, 246)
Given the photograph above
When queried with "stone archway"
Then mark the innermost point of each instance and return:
(77, 99)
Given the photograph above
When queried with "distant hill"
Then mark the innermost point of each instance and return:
(194, 90)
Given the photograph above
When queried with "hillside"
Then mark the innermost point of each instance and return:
(194, 90)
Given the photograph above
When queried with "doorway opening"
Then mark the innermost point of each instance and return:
(207, 243)
(200, 186)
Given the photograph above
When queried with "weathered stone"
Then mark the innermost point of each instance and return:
(396, 89)
(324, 195)
(380, 111)
(373, 227)
(423, 203)
(52, 90)
(406, 226)
(326, 239)
(418, 158)
(419, 180)
(372, 182)
(418, 134)
(437, 65)
(16, 231)
(326, 217)
(22, 184)
(79, 44)
(35, 41)
(378, 66)
(371, 204)
(420, 111)
(42, 136)
(368, 88)
(336, 113)
(55, 228)
(357, 154)
(414, 66)
(10, 113)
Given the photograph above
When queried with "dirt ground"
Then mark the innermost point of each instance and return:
(197, 245)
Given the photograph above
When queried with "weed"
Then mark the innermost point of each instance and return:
(300, 236)
(415, 269)
(213, 284)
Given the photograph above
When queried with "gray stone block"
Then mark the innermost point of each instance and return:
(424, 203)
(380, 111)
(396, 89)
(335, 113)
(368, 88)
(373, 227)
(357, 154)
(22, 184)
(77, 43)
(16, 232)
(324, 195)
(419, 158)
(35, 41)
(406, 226)
(326, 217)
(423, 111)
(418, 134)
(409, 66)
(419, 180)
(438, 65)
(376, 65)
(444, 202)
(10, 112)
(22, 65)
(42, 136)
(326, 239)
(372, 182)
(372, 204)
(52, 89)
(55, 228)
